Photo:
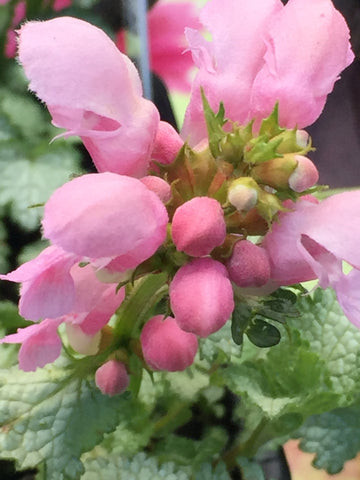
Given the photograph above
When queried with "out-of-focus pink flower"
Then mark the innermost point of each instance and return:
(271, 53)
(92, 90)
(248, 265)
(112, 378)
(19, 14)
(201, 296)
(166, 346)
(312, 241)
(198, 226)
(61, 4)
(41, 344)
(106, 215)
(167, 44)
(47, 286)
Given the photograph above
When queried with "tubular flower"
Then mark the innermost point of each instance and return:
(312, 240)
(273, 63)
(78, 72)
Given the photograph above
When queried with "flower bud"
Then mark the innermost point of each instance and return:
(158, 186)
(81, 342)
(112, 378)
(275, 172)
(165, 346)
(201, 296)
(304, 176)
(198, 226)
(248, 265)
(243, 194)
(294, 141)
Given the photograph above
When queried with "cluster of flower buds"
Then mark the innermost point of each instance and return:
(154, 251)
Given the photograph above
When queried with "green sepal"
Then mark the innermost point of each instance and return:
(270, 125)
(214, 123)
(260, 149)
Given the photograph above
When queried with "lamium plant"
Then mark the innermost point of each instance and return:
(175, 275)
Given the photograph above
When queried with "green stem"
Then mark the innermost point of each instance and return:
(247, 449)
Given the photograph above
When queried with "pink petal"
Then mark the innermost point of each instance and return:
(40, 344)
(47, 286)
(166, 23)
(106, 215)
(348, 295)
(307, 48)
(236, 27)
(92, 90)
(167, 145)
(201, 296)
(248, 265)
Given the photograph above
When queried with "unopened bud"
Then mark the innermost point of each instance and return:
(248, 265)
(112, 378)
(243, 194)
(304, 176)
(275, 172)
(201, 296)
(81, 342)
(166, 346)
(158, 186)
(294, 141)
(198, 226)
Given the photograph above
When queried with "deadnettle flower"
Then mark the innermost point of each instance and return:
(313, 240)
(291, 55)
(106, 216)
(92, 90)
(167, 44)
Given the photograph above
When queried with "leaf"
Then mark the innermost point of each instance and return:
(140, 467)
(333, 437)
(26, 181)
(250, 470)
(263, 334)
(333, 338)
(278, 392)
(53, 416)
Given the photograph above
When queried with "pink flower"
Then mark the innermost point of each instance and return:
(166, 346)
(47, 286)
(41, 344)
(198, 226)
(167, 44)
(106, 215)
(91, 90)
(312, 241)
(112, 378)
(201, 296)
(19, 15)
(263, 53)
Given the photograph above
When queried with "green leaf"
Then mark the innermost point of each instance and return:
(333, 437)
(336, 341)
(214, 124)
(26, 181)
(53, 416)
(250, 470)
(140, 467)
(279, 391)
(263, 334)
(10, 319)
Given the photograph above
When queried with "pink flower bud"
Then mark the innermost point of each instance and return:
(248, 265)
(158, 186)
(167, 144)
(198, 226)
(304, 176)
(201, 296)
(81, 342)
(112, 378)
(165, 346)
